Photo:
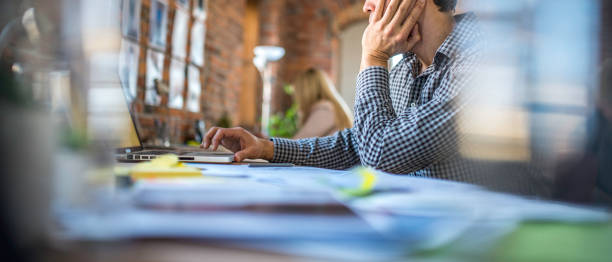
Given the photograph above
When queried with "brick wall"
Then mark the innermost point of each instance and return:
(224, 47)
(308, 30)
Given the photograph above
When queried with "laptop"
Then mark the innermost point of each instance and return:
(136, 151)
(132, 149)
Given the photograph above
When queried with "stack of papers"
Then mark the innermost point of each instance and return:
(224, 193)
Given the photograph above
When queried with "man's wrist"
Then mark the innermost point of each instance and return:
(268, 149)
(375, 59)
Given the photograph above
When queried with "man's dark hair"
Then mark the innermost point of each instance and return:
(446, 5)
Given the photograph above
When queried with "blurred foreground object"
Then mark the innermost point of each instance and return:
(51, 59)
(534, 92)
(27, 137)
(587, 177)
(601, 136)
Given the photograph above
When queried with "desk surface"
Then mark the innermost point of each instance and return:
(503, 219)
(530, 242)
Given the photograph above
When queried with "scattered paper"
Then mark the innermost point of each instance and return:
(402, 215)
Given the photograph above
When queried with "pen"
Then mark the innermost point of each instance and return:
(270, 165)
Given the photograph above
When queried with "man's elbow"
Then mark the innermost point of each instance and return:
(385, 166)
(387, 169)
(395, 164)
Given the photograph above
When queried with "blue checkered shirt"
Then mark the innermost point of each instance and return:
(405, 122)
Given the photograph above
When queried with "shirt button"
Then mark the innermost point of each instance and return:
(413, 105)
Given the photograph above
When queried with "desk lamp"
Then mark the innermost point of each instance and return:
(263, 55)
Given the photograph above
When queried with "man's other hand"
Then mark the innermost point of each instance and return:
(241, 142)
(392, 30)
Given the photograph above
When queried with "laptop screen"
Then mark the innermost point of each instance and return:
(129, 137)
(109, 117)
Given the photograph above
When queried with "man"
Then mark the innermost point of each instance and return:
(404, 120)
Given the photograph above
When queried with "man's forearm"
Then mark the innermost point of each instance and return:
(338, 151)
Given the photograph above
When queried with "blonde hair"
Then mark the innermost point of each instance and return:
(314, 86)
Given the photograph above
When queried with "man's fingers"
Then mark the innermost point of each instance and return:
(414, 16)
(241, 155)
(216, 140)
(227, 133)
(391, 10)
(403, 11)
(379, 11)
(209, 135)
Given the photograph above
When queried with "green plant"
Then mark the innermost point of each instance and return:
(225, 121)
(284, 124)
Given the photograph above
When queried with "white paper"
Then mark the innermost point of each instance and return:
(194, 89)
(415, 196)
(223, 193)
(158, 23)
(197, 43)
(155, 69)
(135, 223)
(131, 18)
(479, 205)
(179, 34)
(304, 177)
(177, 84)
(128, 69)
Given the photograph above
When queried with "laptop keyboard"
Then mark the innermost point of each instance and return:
(176, 151)
(153, 152)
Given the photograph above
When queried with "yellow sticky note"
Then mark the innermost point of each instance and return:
(168, 160)
(368, 181)
(166, 166)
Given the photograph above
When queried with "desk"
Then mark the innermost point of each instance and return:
(530, 242)
(397, 212)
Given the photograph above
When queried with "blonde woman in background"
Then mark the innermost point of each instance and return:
(321, 110)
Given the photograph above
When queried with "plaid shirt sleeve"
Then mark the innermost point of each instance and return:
(408, 142)
(338, 151)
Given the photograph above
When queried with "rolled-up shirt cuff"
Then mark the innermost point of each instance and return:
(373, 77)
(286, 151)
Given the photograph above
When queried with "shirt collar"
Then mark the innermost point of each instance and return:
(464, 35)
